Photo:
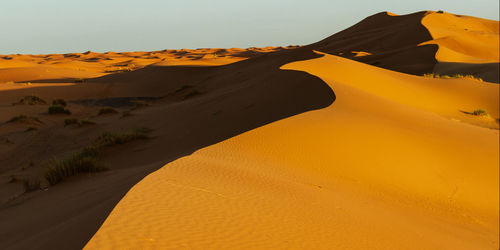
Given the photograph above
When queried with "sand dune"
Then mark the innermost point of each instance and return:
(370, 171)
(189, 109)
(320, 146)
(89, 64)
(463, 39)
(422, 42)
(467, 45)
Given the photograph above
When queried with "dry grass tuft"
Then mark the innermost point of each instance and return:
(460, 76)
(30, 100)
(87, 159)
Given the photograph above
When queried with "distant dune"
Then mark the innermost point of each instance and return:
(339, 144)
(420, 43)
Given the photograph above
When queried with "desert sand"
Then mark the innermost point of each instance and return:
(395, 169)
(341, 144)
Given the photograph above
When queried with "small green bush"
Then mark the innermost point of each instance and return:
(480, 112)
(60, 102)
(30, 100)
(58, 109)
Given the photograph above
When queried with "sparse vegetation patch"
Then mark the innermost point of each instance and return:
(30, 100)
(471, 77)
(87, 159)
(25, 119)
(58, 109)
(480, 112)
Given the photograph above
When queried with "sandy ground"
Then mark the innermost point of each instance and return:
(370, 171)
(259, 148)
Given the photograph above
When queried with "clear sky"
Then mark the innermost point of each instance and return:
(60, 26)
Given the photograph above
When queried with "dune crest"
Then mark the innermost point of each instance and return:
(420, 43)
(258, 150)
(368, 167)
(463, 39)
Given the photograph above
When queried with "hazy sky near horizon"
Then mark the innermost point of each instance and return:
(60, 26)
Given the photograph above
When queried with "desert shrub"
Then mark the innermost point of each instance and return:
(30, 100)
(109, 138)
(80, 162)
(471, 77)
(59, 101)
(87, 159)
(25, 119)
(58, 109)
(107, 110)
(480, 112)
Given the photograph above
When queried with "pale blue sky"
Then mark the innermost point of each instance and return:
(59, 26)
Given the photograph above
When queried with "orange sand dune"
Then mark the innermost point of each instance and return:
(397, 159)
(463, 39)
(378, 169)
(467, 45)
(188, 108)
(89, 64)
(422, 42)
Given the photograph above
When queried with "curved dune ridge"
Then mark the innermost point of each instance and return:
(463, 39)
(387, 157)
(422, 42)
(374, 170)
(467, 45)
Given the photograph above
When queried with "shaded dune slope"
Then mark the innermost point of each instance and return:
(199, 106)
(371, 171)
(467, 45)
(391, 40)
(419, 43)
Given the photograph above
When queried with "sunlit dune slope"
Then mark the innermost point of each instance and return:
(467, 45)
(392, 42)
(186, 107)
(463, 38)
(378, 169)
